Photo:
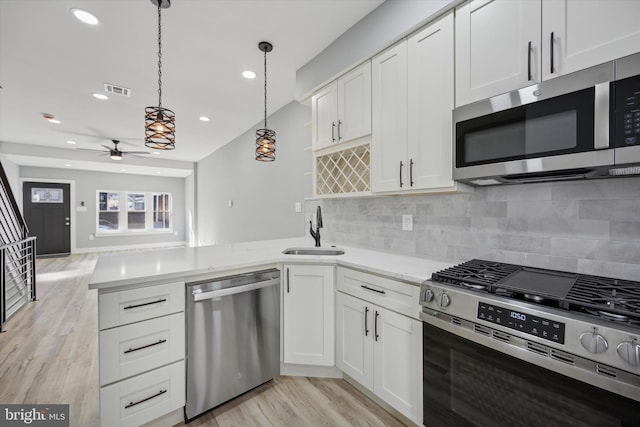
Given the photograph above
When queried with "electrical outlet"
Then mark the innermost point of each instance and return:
(407, 222)
(298, 207)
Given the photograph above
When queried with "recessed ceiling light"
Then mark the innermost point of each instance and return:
(52, 120)
(158, 172)
(156, 153)
(71, 142)
(67, 165)
(123, 170)
(100, 96)
(84, 16)
(248, 74)
(204, 119)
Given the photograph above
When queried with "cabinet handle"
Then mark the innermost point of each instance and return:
(161, 392)
(333, 131)
(551, 50)
(339, 126)
(411, 172)
(375, 326)
(287, 280)
(372, 289)
(529, 62)
(366, 326)
(131, 350)
(401, 183)
(129, 307)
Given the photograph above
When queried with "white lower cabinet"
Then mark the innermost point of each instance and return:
(379, 348)
(309, 313)
(142, 349)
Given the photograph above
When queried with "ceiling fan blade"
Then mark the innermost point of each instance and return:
(108, 148)
(135, 152)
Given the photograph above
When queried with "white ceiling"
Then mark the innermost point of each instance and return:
(51, 63)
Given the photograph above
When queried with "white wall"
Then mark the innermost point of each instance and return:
(87, 183)
(263, 194)
(13, 176)
(385, 25)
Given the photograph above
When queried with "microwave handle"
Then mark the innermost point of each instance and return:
(601, 116)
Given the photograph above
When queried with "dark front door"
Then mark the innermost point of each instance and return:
(47, 211)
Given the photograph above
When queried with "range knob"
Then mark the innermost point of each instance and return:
(443, 299)
(593, 342)
(629, 351)
(428, 295)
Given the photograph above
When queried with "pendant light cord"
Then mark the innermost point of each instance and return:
(265, 88)
(159, 55)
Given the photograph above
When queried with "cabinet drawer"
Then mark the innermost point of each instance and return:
(124, 307)
(139, 347)
(143, 398)
(394, 295)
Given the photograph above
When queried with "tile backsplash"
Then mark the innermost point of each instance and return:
(590, 227)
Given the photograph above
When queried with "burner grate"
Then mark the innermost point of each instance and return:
(620, 298)
(475, 272)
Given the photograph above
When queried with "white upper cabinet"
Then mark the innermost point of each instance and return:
(411, 142)
(503, 45)
(341, 111)
(389, 128)
(587, 33)
(492, 47)
(430, 103)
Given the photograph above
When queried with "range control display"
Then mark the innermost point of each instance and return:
(532, 325)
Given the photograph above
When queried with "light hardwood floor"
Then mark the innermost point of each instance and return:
(49, 354)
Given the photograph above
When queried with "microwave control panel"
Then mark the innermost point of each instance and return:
(627, 115)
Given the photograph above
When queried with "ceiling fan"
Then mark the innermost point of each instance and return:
(116, 154)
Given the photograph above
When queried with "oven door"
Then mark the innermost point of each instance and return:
(468, 384)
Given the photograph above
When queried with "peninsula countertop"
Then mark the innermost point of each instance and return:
(137, 267)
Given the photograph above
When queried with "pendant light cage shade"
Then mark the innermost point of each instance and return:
(265, 138)
(159, 122)
(159, 128)
(265, 145)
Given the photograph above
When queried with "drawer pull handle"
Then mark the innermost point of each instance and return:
(161, 392)
(131, 350)
(366, 327)
(371, 289)
(143, 304)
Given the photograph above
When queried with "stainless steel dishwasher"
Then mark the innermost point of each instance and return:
(233, 337)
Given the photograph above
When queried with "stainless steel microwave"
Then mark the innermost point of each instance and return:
(582, 125)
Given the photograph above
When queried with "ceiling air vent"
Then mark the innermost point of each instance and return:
(117, 90)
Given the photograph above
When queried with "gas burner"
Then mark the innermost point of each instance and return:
(534, 298)
(473, 286)
(608, 315)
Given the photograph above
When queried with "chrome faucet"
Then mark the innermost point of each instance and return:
(316, 234)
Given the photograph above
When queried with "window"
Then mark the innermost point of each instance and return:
(135, 211)
(162, 211)
(132, 212)
(108, 211)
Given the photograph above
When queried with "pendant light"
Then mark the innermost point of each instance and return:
(159, 123)
(265, 138)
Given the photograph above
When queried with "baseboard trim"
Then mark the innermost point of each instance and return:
(130, 247)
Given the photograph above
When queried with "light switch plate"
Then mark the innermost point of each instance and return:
(298, 207)
(407, 222)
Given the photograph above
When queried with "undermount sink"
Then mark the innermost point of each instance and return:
(313, 251)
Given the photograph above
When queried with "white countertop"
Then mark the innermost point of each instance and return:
(138, 267)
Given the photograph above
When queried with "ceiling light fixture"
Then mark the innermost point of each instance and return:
(100, 96)
(159, 123)
(71, 142)
(204, 119)
(265, 138)
(84, 16)
(248, 74)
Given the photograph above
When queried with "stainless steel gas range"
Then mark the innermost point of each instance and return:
(507, 345)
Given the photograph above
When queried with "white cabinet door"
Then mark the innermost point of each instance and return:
(430, 103)
(492, 47)
(324, 122)
(354, 343)
(587, 33)
(309, 315)
(389, 126)
(398, 361)
(354, 103)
